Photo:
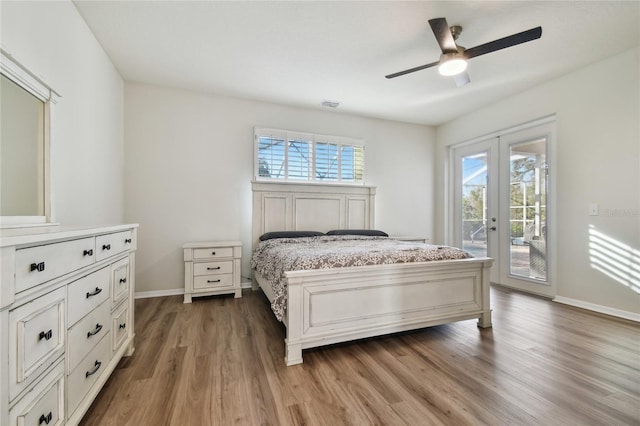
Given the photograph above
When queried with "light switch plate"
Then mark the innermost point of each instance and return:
(593, 210)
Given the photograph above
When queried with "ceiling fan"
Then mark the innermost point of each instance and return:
(453, 60)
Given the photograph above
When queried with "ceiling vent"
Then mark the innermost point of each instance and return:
(330, 104)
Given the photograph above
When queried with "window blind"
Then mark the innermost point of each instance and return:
(287, 155)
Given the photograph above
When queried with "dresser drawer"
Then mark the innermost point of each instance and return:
(35, 265)
(120, 282)
(212, 253)
(36, 339)
(87, 332)
(120, 327)
(111, 244)
(212, 281)
(43, 404)
(87, 372)
(85, 294)
(211, 268)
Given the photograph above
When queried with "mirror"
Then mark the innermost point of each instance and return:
(21, 152)
(26, 110)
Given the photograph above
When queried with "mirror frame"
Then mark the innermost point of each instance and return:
(20, 75)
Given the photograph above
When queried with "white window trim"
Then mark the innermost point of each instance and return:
(287, 135)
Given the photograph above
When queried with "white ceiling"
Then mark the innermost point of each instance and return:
(303, 52)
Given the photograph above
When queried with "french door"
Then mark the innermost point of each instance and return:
(501, 197)
(476, 200)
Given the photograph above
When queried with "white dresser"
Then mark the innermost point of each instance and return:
(66, 318)
(212, 268)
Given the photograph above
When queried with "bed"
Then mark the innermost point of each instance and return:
(338, 304)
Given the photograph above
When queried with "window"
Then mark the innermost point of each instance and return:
(294, 156)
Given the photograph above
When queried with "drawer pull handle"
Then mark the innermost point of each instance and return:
(94, 371)
(46, 335)
(46, 419)
(94, 332)
(106, 247)
(37, 267)
(88, 252)
(123, 326)
(213, 269)
(213, 281)
(98, 290)
(213, 253)
(123, 280)
(127, 241)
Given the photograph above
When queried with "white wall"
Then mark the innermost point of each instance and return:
(53, 41)
(598, 158)
(189, 166)
(189, 156)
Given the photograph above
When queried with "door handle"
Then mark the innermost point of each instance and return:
(493, 228)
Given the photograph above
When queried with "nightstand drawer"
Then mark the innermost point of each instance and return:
(36, 338)
(209, 281)
(112, 244)
(35, 265)
(87, 293)
(212, 268)
(87, 332)
(212, 253)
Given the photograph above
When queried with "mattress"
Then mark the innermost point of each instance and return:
(273, 258)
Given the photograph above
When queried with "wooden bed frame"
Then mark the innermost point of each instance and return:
(337, 305)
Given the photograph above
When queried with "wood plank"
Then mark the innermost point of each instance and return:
(220, 361)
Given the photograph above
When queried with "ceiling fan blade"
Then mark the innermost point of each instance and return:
(461, 79)
(443, 35)
(410, 70)
(503, 43)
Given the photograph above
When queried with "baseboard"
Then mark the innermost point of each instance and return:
(619, 313)
(159, 293)
(175, 291)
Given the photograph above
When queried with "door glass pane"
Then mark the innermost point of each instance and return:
(527, 209)
(474, 204)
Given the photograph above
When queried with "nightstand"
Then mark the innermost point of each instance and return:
(212, 268)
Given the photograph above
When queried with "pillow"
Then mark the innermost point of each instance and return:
(289, 234)
(367, 232)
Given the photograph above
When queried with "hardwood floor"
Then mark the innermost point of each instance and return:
(220, 361)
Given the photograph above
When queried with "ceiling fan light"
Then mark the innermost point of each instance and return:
(452, 66)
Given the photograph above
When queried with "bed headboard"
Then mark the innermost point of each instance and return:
(289, 206)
